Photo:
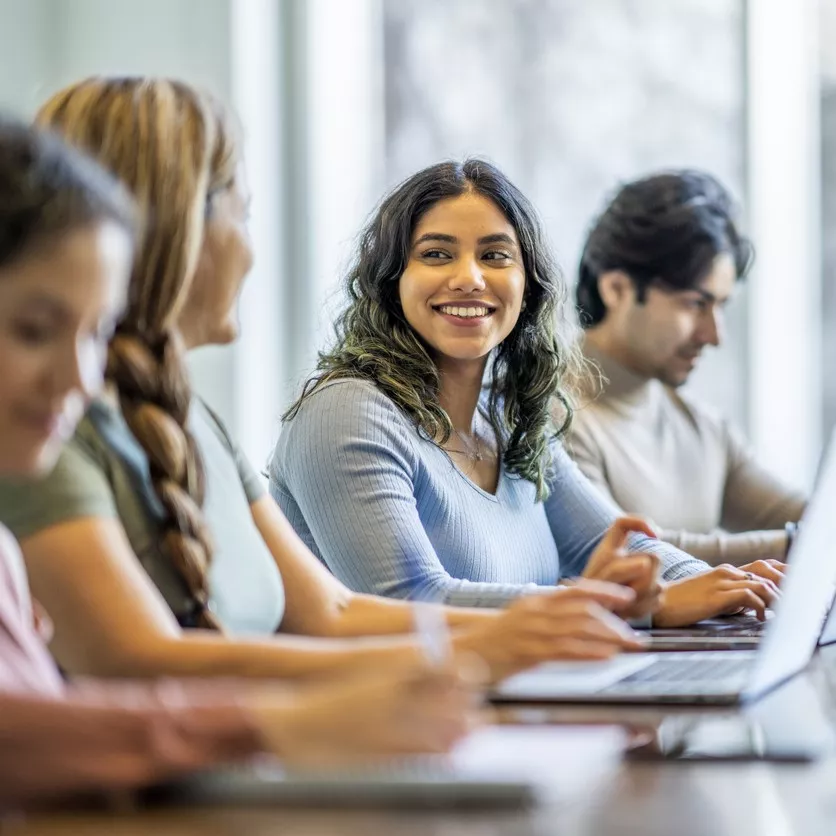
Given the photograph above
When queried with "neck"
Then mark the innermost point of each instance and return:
(189, 338)
(461, 385)
(602, 341)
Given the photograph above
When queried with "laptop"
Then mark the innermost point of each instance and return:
(828, 633)
(727, 678)
(736, 632)
(492, 767)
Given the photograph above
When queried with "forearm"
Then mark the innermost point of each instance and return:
(754, 500)
(454, 592)
(53, 748)
(206, 655)
(737, 549)
(674, 563)
(371, 615)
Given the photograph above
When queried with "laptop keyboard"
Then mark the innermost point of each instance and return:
(698, 673)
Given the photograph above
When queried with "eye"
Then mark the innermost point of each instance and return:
(435, 255)
(33, 333)
(497, 255)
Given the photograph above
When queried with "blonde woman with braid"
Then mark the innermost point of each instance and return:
(152, 543)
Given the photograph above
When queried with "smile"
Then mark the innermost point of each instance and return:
(462, 312)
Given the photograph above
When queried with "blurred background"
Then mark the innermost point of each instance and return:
(341, 99)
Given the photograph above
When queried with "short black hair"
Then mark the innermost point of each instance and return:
(663, 230)
(48, 189)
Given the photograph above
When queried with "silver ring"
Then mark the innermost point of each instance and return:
(750, 576)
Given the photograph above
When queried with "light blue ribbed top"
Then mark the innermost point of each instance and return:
(389, 513)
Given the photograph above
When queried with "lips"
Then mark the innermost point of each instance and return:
(469, 311)
(46, 424)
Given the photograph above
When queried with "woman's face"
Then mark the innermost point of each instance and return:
(463, 286)
(210, 313)
(58, 308)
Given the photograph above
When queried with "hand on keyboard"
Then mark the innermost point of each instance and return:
(721, 591)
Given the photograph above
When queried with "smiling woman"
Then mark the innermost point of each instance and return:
(423, 459)
(65, 256)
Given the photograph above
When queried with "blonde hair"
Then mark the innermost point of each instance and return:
(174, 148)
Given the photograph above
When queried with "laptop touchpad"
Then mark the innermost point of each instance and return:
(559, 679)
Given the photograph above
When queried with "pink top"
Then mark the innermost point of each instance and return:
(56, 740)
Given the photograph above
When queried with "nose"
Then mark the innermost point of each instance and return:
(467, 277)
(712, 327)
(80, 369)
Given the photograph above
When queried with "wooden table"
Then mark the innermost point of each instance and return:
(641, 799)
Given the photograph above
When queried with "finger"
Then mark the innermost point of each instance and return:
(742, 597)
(584, 619)
(726, 570)
(763, 569)
(633, 569)
(608, 595)
(764, 589)
(584, 649)
(594, 621)
(616, 535)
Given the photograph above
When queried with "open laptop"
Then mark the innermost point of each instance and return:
(493, 766)
(828, 633)
(789, 640)
(737, 632)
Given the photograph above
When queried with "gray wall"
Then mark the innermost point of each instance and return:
(569, 97)
(47, 44)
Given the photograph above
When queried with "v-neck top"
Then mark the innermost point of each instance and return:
(389, 512)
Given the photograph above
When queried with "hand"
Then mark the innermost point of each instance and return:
(772, 570)
(567, 623)
(640, 572)
(405, 710)
(723, 590)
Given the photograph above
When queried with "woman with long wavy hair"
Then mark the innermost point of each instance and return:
(421, 460)
(153, 543)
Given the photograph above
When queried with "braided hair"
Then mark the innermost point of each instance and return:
(174, 148)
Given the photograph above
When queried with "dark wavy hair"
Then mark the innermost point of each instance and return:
(664, 230)
(530, 375)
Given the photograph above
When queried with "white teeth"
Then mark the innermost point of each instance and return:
(464, 313)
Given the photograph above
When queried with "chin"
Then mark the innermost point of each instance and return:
(674, 380)
(29, 464)
(226, 333)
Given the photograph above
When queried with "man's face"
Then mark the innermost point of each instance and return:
(664, 336)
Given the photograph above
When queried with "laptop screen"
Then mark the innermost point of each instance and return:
(807, 590)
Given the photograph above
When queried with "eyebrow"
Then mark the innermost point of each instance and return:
(40, 300)
(495, 238)
(708, 297)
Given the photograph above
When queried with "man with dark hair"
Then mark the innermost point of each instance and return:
(658, 267)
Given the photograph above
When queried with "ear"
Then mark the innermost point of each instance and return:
(616, 289)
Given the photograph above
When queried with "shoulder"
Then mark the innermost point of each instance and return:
(589, 431)
(78, 486)
(203, 413)
(351, 418)
(351, 404)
